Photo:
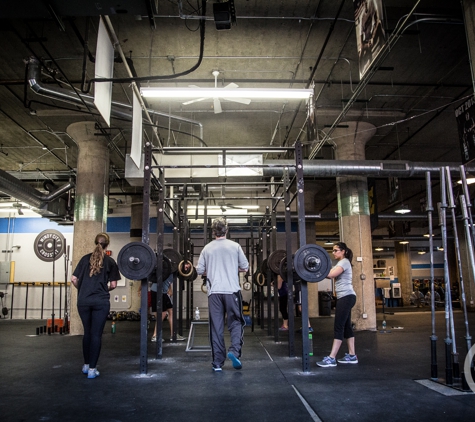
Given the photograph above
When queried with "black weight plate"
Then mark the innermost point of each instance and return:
(166, 268)
(193, 276)
(283, 270)
(273, 260)
(136, 260)
(174, 256)
(264, 266)
(312, 263)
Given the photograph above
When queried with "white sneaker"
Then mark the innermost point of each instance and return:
(178, 338)
(92, 373)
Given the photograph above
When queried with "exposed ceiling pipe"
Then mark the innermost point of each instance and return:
(368, 168)
(57, 93)
(24, 192)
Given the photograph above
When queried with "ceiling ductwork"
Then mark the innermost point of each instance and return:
(119, 110)
(51, 206)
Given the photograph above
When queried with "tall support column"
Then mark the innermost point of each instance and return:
(354, 220)
(404, 270)
(92, 188)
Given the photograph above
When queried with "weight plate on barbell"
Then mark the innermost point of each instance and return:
(246, 285)
(312, 263)
(136, 260)
(273, 260)
(264, 266)
(283, 270)
(174, 256)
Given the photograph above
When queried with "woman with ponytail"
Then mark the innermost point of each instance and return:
(95, 275)
(346, 299)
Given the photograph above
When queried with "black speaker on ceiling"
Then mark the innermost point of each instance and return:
(222, 15)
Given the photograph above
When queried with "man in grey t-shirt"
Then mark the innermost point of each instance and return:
(221, 260)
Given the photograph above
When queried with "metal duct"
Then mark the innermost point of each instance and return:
(367, 168)
(57, 93)
(24, 192)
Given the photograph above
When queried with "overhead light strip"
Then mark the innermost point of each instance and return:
(264, 93)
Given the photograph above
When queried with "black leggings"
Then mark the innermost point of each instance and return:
(342, 326)
(283, 305)
(93, 319)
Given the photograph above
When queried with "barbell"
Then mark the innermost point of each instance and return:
(273, 260)
(136, 260)
(312, 263)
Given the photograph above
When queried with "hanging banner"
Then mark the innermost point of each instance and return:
(465, 115)
(136, 148)
(370, 35)
(104, 69)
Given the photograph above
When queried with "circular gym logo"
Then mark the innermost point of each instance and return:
(467, 368)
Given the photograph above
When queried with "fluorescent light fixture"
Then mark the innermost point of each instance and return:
(404, 242)
(421, 252)
(269, 93)
(403, 209)
(379, 249)
(328, 242)
(440, 248)
(428, 235)
(218, 207)
(469, 178)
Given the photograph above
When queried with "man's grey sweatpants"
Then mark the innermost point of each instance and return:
(221, 305)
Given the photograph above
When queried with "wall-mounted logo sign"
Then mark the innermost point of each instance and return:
(49, 245)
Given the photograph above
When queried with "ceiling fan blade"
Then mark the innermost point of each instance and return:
(194, 101)
(232, 85)
(238, 100)
(217, 106)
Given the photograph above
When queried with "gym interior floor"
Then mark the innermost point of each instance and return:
(41, 377)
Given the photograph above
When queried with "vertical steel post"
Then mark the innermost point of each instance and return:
(146, 240)
(159, 249)
(302, 242)
(433, 337)
(289, 258)
(443, 227)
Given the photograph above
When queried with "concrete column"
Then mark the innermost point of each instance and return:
(92, 186)
(404, 270)
(311, 189)
(354, 220)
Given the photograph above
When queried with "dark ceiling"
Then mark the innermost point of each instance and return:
(410, 97)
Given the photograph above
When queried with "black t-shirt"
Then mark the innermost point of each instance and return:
(94, 290)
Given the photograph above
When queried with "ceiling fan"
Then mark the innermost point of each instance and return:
(216, 100)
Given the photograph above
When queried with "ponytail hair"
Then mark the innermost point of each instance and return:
(102, 240)
(348, 252)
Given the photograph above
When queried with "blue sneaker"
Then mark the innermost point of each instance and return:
(92, 373)
(85, 368)
(348, 359)
(236, 362)
(327, 362)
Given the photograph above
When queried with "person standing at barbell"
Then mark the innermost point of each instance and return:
(222, 260)
(346, 299)
(95, 275)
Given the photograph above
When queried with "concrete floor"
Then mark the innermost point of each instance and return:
(41, 377)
